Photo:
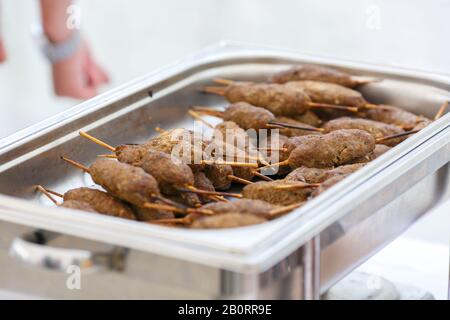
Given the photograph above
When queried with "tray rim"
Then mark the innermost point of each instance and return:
(241, 258)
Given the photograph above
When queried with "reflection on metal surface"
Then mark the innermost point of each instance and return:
(32, 250)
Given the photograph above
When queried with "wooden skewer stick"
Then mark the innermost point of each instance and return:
(97, 141)
(270, 125)
(200, 110)
(107, 156)
(231, 163)
(364, 79)
(47, 194)
(54, 193)
(218, 199)
(166, 201)
(274, 149)
(370, 106)
(214, 193)
(223, 81)
(159, 130)
(441, 110)
(259, 175)
(165, 207)
(184, 221)
(296, 186)
(239, 180)
(285, 209)
(221, 91)
(277, 164)
(198, 117)
(76, 164)
(296, 126)
(398, 135)
(332, 106)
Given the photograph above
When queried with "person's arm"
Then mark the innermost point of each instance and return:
(2, 51)
(54, 18)
(77, 76)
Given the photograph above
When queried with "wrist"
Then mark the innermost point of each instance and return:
(62, 49)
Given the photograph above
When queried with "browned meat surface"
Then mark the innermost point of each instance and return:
(169, 173)
(309, 117)
(131, 154)
(290, 132)
(375, 128)
(396, 116)
(330, 93)
(203, 183)
(218, 175)
(316, 73)
(317, 175)
(235, 145)
(271, 193)
(278, 99)
(77, 205)
(101, 202)
(328, 184)
(277, 141)
(231, 141)
(244, 173)
(124, 181)
(190, 199)
(248, 116)
(144, 214)
(244, 206)
(332, 149)
(226, 220)
(422, 123)
(379, 150)
(187, 146)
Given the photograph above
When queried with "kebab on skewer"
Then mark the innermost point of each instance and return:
(377, 129)
(319, 175)
(319, 73)
(128, 183)
(332, 94)
(329, 150)
(104, 203)
(248, 117)
(145, 156)
(237, 213)
(279, 192)
(280, 99)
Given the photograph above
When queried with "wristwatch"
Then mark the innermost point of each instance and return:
(56, 52)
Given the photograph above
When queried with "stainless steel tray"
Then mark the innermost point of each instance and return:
(299, 255)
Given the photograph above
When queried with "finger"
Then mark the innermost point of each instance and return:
(94, 77)
(2, 52)
(104, 76)
(97, 74)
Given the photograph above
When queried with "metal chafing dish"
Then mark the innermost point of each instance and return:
(297, 256)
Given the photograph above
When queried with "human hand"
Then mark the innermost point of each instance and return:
(2, 52)
(78, 76)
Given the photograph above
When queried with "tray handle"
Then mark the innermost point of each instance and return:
(32, 249)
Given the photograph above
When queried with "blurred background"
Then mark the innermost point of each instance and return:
(131, 38)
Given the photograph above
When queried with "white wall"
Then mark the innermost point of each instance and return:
(133, 37)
